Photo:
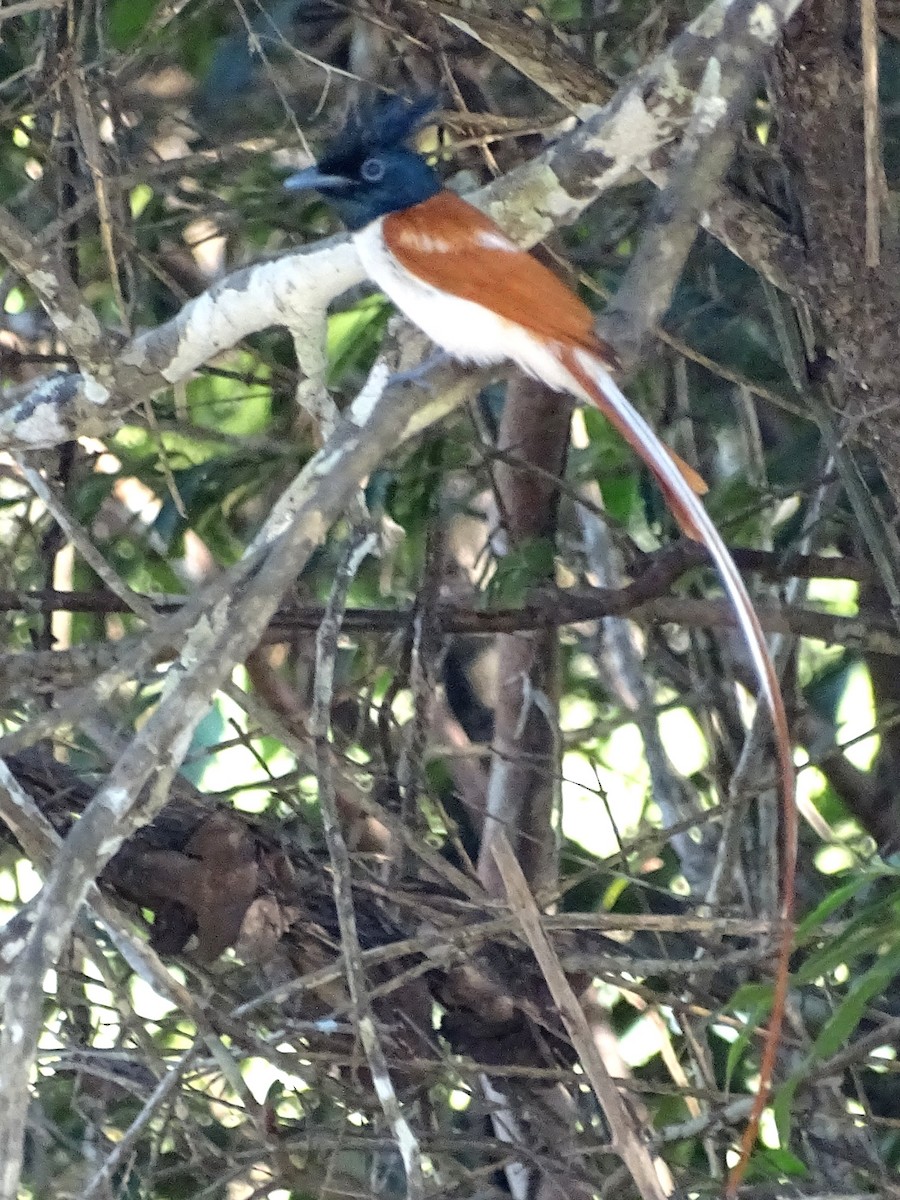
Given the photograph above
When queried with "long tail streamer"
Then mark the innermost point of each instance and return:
(680, 485)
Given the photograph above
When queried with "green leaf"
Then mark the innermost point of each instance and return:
(520, 570)
(621, 495)
(771, 1162)
(127, 19)
(735, 503)
(851, 1010)
(355, 335)
(833, 901)
(755, 999)
(231, 405)
(781, 1108)
(860, 936)
(836, 1030)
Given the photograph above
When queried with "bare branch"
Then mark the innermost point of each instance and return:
(138, 784)
(702, 158)
(294, 290)
(21, 7)
(362, 542)
(627, 1139)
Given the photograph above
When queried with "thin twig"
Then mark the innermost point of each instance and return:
(81, 540)
(871, 130)
(643, 601)
(138, 784)
(361, 543)
(102, 1179)
(627, 1139)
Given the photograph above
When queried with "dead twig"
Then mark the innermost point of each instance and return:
(361, 543)
(627, 1140)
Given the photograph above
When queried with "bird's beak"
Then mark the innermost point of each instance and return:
(311, 179)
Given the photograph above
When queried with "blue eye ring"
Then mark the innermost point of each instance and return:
(372, 170)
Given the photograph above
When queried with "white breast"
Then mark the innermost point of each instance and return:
(466, 330)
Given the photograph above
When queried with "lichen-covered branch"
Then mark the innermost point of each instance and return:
(644, 118)
(638, 129)
(137, 786)
(293, 290)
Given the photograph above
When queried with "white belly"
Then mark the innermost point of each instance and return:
(466, 330)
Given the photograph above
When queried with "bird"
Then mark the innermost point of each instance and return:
(480, 298)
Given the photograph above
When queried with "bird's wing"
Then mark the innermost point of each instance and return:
(451, 245)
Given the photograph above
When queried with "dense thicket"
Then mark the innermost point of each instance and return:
(284, 745)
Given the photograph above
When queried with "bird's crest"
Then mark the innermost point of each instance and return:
(380, 124)
(366, 170)
(387, 121)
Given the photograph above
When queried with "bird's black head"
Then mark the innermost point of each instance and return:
(367, 170)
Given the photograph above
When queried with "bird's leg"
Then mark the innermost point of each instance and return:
(419, 375)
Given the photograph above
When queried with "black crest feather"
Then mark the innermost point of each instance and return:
(387, 121)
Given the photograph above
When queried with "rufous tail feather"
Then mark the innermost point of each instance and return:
(679, 485)
(695, 481)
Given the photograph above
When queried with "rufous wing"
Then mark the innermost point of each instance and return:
(451, 245)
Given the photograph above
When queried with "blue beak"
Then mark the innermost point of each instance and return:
(311, 179)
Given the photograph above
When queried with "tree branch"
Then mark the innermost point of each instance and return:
(138, 783)
(554, 189)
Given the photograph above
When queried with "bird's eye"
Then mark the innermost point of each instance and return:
(372, 170)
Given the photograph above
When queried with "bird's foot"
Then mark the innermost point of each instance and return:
(419, 375)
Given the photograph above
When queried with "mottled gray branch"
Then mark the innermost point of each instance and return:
(631, 132)
(748, 229)
(20, 7)
(636, 131)
(702, 158)
(72, 317)
(292, 291)
(137, 786)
